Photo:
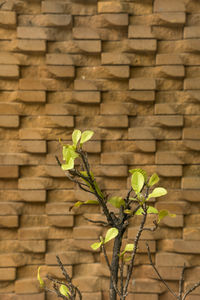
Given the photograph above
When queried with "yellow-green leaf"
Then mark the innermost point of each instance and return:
(143, 172)
(39, 278)
(64, 290)
(157, 192)
(137, 182)
(86, 136)
(76, 135)
(153, 179)
(152, 210)
(117, 201)
(96, 246)
(139, 212)
(164, 213)
(127, 211)
(111, 234)
(69, 165)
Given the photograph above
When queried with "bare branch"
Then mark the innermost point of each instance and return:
(181, 282)
(196, 285)
(160, 277)
(96, 222)
(111, 272)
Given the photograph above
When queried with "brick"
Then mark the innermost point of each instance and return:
(191, 32)
(28, 285)
(87, 97)
(181, 246)
(191, 234)
(9, 171)
(114, 59)
(146, 146)
(58, 209)
(142, 96)
(142, 83)
(178, 207)
(61, 221)
(140, 32)
(168, 59)
(7, 274)
(170, 171)
(170, 71)
(89, 46)
(33, 195)
(33, 233)
(111, 7)
(59, 59)
(61, 109)
(35, 46)
(193, 145)
(86, 232)
(171, 6)
(34, 183)
(173, 222)
(112, 171)
(9, 71)
(121, 72)
(41, 84)
(165, 108)
(172, 259)
(51, 20)
(52, 7)
(118, 109)
(10, 209)
(85, 85)
(85, 33)
(8, 19)
(125, 158)
(147, 286)
(61, 71)
(38, 296)
(31, 246)
(190, 183)
(9, 221)
(172, 18)
(36, 33)
(152, 133)
(69, 258)
(82, 283)
(59, 121)
(142, 45)
(116, 19)
(191, 133)
(13, 260)
(169, 121)
(92, 147)
(34, 146)
(112, 122)
(142, 296)
(31, 96)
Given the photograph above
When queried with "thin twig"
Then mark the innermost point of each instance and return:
(196, 285)
(122, 276)
(97, 222)
(181, 282)
(160, 277)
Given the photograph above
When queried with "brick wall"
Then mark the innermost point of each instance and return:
(130, 71)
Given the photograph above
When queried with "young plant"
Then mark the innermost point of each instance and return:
(136, 202)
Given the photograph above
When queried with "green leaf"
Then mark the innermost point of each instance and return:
(157, 192)
(64, 290)
(129, 247)
(91, 202)
(137, 182)
(76, 135)
(117, 201)
(143, 172)
(96, 246)
(152, 210)
(164, 213)
(111, 234)
(153, 179)
(86, 136)
(139, 212)
(39, 278)
(127, 211)
(69, 152)
(69, 165)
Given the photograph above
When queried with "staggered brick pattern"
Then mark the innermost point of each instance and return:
(130, 71)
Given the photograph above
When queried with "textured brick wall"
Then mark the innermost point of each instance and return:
(130, 71)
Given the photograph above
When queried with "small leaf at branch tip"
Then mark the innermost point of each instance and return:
(117, 201)
(64, 290)
(111, 234)
(76, 135)
(157, 192)
(139, 212)
(39, 278)
(164, 213)
(153, 179)
(97, 245)
(127, 211)
(152, 210)
(143, 172)
(137, 182)
(86, 136)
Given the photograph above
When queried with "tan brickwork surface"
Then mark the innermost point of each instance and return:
(129, 71)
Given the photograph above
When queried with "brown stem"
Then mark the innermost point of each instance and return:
(181, 282)
(196, 285)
